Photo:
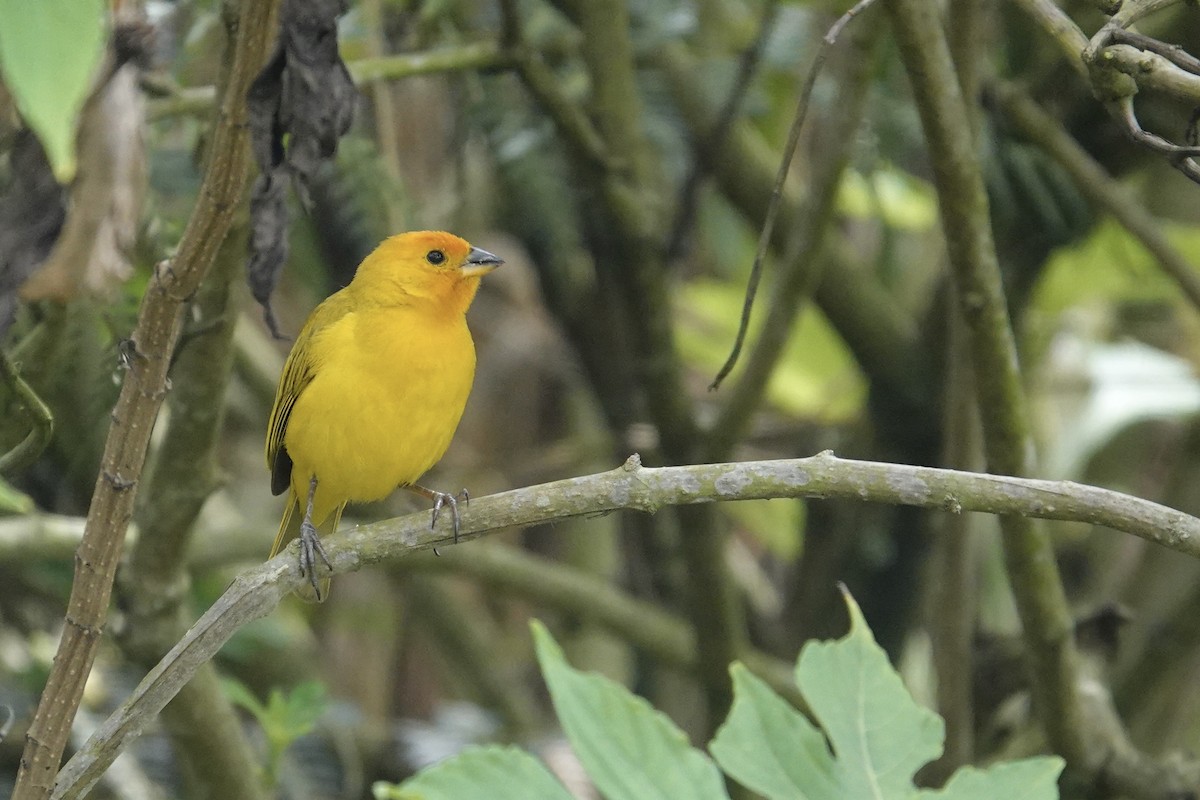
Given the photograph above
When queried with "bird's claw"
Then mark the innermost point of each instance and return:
(443, 499)
(311, 550)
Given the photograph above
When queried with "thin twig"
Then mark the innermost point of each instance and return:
(685, 214)
(789, 149)
(801, 267)
(1172, 52)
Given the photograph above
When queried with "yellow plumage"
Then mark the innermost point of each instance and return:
(377, 380)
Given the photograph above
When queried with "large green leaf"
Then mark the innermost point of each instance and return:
(630, 750)
(875, 736)
(880, 735)
(479, 773)
(1029, 779)
(768, 746)
(49, 50)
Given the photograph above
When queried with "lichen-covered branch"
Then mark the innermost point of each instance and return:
(258, 590)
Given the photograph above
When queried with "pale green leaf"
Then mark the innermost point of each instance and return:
(630, 750)
(1028, 779)
(900, 200)
(817, 376)
(766, 745)
(1109, 265)
(13, 500)
(778, 525)
(240, 695)
(49, 50)
(880, 736)
(296, 713)
(479, 773)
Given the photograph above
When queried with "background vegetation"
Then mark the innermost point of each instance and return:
(973, 262)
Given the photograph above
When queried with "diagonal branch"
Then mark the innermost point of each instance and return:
(258, 590)
(149, 352)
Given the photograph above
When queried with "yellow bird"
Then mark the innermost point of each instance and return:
(375, 385)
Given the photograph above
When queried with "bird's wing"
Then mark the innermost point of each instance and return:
(298, 372)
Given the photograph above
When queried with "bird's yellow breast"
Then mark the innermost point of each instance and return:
(388, 390)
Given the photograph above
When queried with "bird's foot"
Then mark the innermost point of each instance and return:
(311, 550)
(443, 500)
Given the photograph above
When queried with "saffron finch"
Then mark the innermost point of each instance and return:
(374, 387)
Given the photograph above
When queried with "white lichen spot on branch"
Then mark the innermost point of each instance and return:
(732, 483)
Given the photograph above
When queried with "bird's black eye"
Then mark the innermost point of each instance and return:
(435, 257)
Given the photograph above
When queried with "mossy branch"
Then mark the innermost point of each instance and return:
(1008, 445)
(172, 101)
(258, 590)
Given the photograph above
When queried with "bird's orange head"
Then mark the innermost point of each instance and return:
(423, 268)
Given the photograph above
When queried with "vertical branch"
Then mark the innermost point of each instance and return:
(207, 734)
(634, 221)
(148, 353)
(952, 596)
(1008, 445)
(633, 201)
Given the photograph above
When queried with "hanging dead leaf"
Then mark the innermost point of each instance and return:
(300, 105)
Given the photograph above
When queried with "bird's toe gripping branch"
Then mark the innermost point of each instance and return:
(444, 500)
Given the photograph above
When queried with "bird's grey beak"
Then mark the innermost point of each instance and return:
(480, 262)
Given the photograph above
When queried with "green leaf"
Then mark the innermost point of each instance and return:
(294, 714)
(630, 750)
(902, 201)
(479, 773)
(14, 501)
(1109, 265)
(879, 734)
(49, 50)
(286, 716)
(816, 377)
(1028, 779)
(767, 745)
(240, 695)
